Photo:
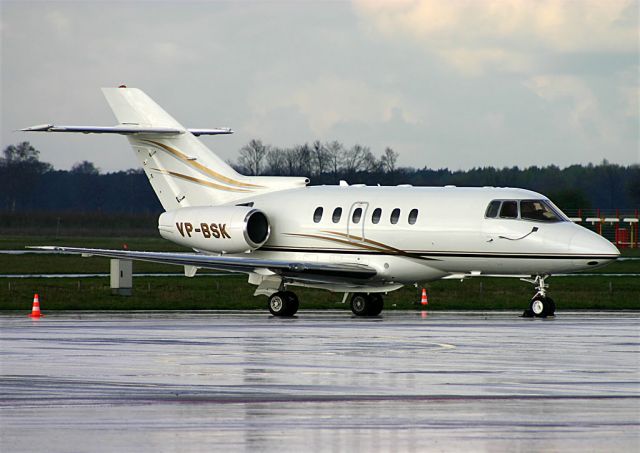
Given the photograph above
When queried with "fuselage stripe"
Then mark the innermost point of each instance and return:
(200, 181)
(435, 255)
(183, 157)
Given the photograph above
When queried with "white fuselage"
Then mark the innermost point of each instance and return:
(450, 233)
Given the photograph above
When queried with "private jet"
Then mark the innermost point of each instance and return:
(363, 241)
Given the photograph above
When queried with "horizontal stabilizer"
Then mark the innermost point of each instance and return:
(218, 131)
(182, 170)
(126, 130)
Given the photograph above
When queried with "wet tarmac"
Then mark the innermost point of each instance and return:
(324, 381)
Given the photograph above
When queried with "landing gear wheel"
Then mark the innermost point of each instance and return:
(366, 304)
(292, 303)
(542, 306)
(552, 307)
(376, 305)
(283, 303)
(359, 304)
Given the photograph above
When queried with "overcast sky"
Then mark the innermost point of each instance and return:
(451, 84)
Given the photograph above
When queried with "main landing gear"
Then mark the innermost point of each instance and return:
(283, 303)
(541, 305)
(366, 304)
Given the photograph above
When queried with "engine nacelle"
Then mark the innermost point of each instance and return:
(224, 229)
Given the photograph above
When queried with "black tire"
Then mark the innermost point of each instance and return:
(360, 304)
(366, 304)
(540, 306)
(292, 303)
(552, 307)
(278, 304)
(377, 304)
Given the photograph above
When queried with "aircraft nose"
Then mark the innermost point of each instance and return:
(586, 242)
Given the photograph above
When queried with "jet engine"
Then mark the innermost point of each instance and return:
(223, 229)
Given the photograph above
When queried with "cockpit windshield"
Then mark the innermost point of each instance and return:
(536, 210)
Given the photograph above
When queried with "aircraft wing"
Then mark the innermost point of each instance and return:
(125, 130)
(462, 276)
(297, 270)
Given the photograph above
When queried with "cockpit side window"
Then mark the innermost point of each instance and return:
(509, 210)
(492, 209)
(538, 210)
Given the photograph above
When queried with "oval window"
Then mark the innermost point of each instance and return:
(317, 214)
(357, 214)
(337, 213)
(395, 215)
(413, 216)
(375, 217)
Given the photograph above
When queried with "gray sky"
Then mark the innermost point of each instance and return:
(451, 84)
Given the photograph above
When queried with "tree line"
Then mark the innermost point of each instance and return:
(28, 185)
(318, 159)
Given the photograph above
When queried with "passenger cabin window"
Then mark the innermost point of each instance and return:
(317, 214)
(413, 216)
(395, 215)
(337, 213)
(538, 210)
(509, 210)
(492, 209)
(357, 214)
(375, 217)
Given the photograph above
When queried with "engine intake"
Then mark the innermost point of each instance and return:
(222, 229)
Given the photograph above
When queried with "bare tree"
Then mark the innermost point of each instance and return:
(355, 158)
(335, 156)
(252, 155)
(370, 163)
(304, 158)
(389, 160)
(276, 161)
(320, 157)
(290, 161)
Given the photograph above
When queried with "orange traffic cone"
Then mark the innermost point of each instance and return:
(35, 310)
(424, 300)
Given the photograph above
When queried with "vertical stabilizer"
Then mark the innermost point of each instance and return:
(181, 169)
(132, 106)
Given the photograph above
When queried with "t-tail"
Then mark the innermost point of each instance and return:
(181, 169)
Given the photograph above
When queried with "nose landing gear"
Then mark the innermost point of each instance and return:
(541, 305)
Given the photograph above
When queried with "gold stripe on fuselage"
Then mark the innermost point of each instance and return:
(368, 241)
(183, 157)
(200, 181)
(385, 249)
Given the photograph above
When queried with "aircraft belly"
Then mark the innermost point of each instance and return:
(405, 269)
(506, 265)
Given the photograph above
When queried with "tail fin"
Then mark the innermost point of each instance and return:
(181, 169)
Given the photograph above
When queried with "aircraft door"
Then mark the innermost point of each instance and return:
(356, 221)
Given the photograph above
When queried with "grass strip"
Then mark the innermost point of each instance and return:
(233, 292)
